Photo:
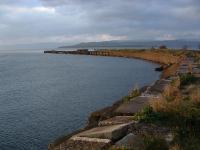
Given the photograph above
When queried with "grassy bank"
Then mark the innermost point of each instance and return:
(179, 110)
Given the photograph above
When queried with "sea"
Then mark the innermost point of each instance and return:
(46, 96)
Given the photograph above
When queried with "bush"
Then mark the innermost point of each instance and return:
(148, 115)
(187, 79)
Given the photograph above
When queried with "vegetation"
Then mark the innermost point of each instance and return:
(134, 93)
(164, 56)
(187, 79)
(146, 142)
(152, 142)
(181, 113)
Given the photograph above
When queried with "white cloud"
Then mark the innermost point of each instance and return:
(24, 10)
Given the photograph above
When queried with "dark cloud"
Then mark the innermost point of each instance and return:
(51, 20)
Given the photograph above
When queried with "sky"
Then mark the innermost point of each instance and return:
(32, 23)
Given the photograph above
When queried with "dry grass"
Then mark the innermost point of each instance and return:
(171, 99)
(172, 89)
(177, 104)
(175, 147)
(159, 56)
(195, 95)
(163, 105)
(170, 71)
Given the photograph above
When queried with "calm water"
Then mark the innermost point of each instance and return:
(45, 96)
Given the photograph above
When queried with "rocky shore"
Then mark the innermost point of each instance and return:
(119, 126)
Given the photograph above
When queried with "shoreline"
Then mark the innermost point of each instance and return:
(109, 112)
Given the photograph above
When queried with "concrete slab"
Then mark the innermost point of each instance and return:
(112, 132)
(133, 106)
(116, 120)
(184, 67)
(197, 75)
(85, 143)
(151, 94)
(196, 70)
(159, 86)
(182, 71)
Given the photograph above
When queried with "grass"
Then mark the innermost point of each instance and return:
(161, 56)
(147, 115)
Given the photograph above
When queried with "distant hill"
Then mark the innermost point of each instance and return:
(192, 44)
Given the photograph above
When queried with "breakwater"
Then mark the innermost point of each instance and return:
(106, 127)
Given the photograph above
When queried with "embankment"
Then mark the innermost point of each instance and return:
(169, 61)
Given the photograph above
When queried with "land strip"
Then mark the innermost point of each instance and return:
(125, 124)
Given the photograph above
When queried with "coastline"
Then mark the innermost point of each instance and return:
(170, 68)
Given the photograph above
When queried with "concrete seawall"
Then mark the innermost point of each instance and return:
(106, 127)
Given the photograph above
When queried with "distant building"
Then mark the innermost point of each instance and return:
(83, 51)
(163, 47)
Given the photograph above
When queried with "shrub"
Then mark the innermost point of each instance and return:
(135, 93)
(148, 115)
(187, 79)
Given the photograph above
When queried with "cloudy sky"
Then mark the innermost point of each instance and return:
(72, 21)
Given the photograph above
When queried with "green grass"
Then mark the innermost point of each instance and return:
(149, 116)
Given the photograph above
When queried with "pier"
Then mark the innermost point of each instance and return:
(81, 52)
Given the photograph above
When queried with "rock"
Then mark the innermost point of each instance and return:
(133, 106)
(169, 137)
(113, 132)
(130, 141)
(116, 120)
(161, 68)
